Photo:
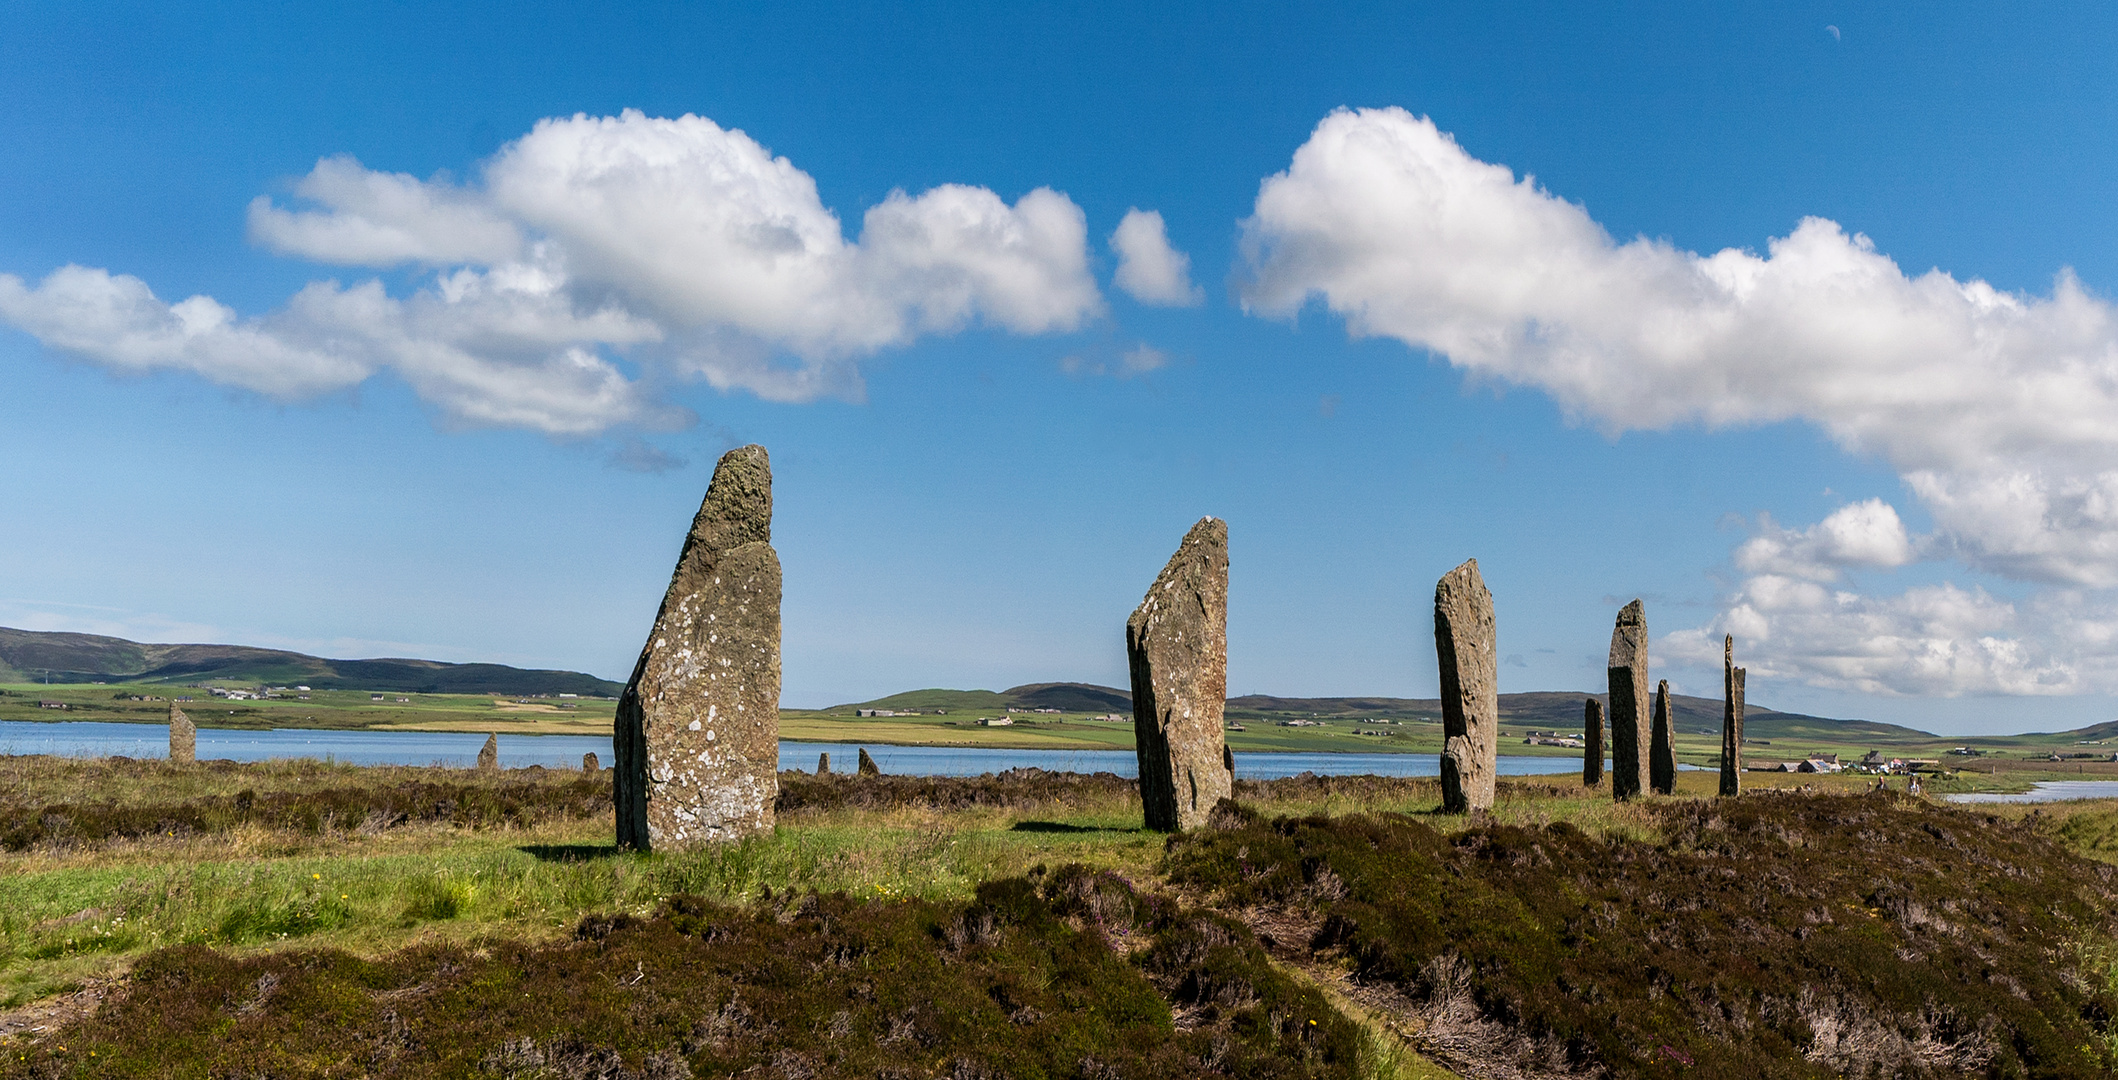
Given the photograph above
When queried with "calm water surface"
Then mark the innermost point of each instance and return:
(460, 749)
(2049, 791)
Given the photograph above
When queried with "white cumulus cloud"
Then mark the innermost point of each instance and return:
(1995, 407)
(1150, 270)
(670, 245)
(1927, 641)
(382, 219)
(1863, 534)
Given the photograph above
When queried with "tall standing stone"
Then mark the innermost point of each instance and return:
(697, 729)
(866, 765)
(1177, 643)
(1592, 743)
(589, 764)
(1470, 689)
(823, 763)
(183, 737)
(1628, 682)
(489, 754)
(1731, 719)
(1662, 753)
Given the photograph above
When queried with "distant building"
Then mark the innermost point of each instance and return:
(53, 705)
(996, 721)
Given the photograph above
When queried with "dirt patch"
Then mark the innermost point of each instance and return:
(35, 1021)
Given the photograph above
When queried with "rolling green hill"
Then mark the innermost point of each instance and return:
(36, 656)
(1067, 697)
(1548, 709)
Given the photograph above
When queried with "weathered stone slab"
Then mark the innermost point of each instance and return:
(489, 754)
(1628, 684)
(1731, 719)
(1662, 751)
(1592, 743)
(1470, 689)
(867, 766)
(183, 737)
(697, 730)
(589, 764)
(1177, 645)
(823, 764)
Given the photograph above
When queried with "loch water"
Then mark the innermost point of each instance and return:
(460, 750)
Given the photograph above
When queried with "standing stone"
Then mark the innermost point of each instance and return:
(489, 754)
(183, 737)
(1177, 645)
(823, 763)
(1470, 689)
(698, 725)
(589, 764)
(1731, 719)
(867, 765)
(1592, 744)
(1662, 754)
(1628, 681)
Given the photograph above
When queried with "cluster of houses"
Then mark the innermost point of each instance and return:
(1553, 738)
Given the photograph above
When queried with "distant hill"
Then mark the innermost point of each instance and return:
(32, 656)
(1559, 710)
(1541, 709)
(1069, 697)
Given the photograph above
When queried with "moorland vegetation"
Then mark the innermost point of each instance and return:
(305, 919)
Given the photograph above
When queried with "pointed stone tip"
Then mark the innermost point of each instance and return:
(1465, 575)
(1635, 612)
(1211, 530)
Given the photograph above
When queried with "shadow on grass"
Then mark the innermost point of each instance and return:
(570, 852)
(1062, 827)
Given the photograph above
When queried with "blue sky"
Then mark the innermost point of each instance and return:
(1900, 491)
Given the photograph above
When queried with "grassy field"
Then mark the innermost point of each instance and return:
(240, 899)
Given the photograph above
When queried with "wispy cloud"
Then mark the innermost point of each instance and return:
(1138, 360)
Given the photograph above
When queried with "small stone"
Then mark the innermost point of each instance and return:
(1627, 672)
(589, 764)
(183, 737)
(823, 763)
(489, 754)
(1662, 753)
(1592, 743)
(1470, 689)
(867, 766)
(1731, 719)
(1177, 645)
(697, 728)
